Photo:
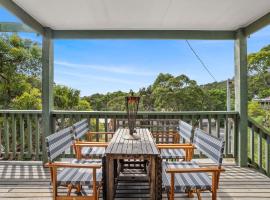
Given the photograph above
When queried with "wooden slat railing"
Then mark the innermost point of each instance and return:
(259, 146)
(21, 133)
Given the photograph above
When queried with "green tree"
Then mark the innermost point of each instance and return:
(66, 98)
(19, 59)
(258, 64)
(84, 105)
(177, 93)
(255, 109)
(216, 99)
(30, 100)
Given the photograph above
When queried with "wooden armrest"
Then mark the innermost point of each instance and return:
(195, 170)
(175, 146)
(72, 165)
(91, 144)
(90, 133)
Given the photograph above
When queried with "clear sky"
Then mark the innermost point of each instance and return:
(109, 65)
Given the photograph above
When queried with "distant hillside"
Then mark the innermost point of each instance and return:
(215, 85)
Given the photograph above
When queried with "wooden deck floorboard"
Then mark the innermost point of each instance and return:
(30, 181)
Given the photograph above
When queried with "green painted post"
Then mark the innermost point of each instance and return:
(47, 87)
(14, 135)
(37, 136)
(21, 118)
(6, 133)
(29, 133)
(241, 99)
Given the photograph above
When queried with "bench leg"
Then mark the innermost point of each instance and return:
(172, 187)
(215, 178)
(69, 189)
(199, 194)
(190, 194)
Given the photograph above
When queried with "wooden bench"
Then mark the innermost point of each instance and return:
(76, 173)
(189, 177)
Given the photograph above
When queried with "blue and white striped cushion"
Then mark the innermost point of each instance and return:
(82, 176)
(93, 152)
(58, 143)
(80, 128)
(185, 181)
(185, 130)
(209, 145)
(172, 153)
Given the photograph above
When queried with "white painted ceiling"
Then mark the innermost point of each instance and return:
(145, 14)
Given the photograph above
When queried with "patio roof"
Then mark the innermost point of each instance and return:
(222, 16)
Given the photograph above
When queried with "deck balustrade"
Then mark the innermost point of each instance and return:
(21, 135)
(259, 146)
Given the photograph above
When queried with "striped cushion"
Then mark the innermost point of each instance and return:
(185, 181)
(82, 176)
(93, 152)
(185, 130)
(209, 145)
(58, 142)
(172, 154)
(80, 128)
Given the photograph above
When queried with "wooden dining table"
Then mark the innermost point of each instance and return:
(143, 148)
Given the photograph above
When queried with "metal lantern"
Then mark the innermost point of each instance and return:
(132, 105)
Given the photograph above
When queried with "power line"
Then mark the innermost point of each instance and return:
(200, 60)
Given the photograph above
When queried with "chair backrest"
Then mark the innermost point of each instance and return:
(185, 131)
(209, 145)
(80, 129)
(59, 142)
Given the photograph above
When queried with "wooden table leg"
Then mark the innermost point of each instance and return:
(110, 178)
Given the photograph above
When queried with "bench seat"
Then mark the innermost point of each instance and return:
(93, 152)
(76, 176)
(172, 153)
(185, 181)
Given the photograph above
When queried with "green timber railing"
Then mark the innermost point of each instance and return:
(21, 135)
(259, 146)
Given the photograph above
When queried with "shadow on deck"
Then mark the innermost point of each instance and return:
(29, 180)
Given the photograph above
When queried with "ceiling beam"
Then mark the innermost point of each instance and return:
(22, 15)
(14, 27)
(144, 34)
(258, 24)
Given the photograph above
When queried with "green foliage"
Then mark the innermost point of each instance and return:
(216, 99)
(19, 60)
(66, 98)
(266, 120)
(255, 109)
(28, 100)
(84, 105)
(168, 93)
(260, 61)
(258, 81)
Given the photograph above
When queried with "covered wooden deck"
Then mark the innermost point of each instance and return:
(29, 180)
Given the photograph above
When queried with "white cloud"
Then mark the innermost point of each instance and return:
(88, 78)
(113, 69)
